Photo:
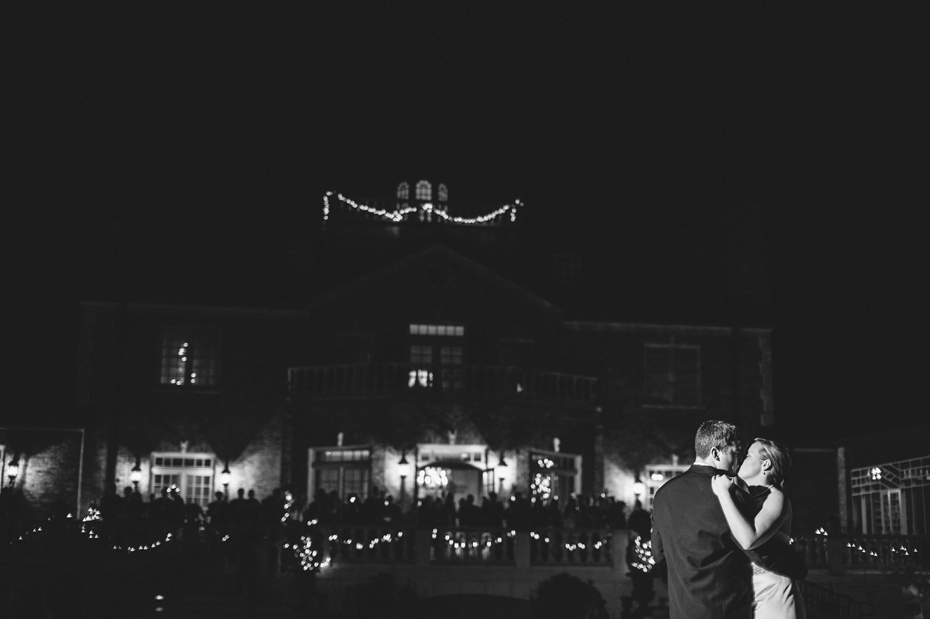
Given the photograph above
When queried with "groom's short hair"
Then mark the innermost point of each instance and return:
(714, 434)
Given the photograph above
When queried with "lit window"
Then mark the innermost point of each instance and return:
(192, 475)
(345, 471)
(443, 193)
(420, 378)
(424, 191)
(440, 330)
(430, 343)
(673, 374)
(421, 354)
(450, 355)
(403, 191)
(189, 357)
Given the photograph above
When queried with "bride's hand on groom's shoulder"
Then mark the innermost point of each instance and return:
(721, 484)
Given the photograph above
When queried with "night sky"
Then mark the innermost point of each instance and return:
(174, 145)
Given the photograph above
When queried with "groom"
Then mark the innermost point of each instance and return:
(708, 574)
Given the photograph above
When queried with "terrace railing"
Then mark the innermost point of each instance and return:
(866, 551)
(413, 380)
(470, 546)
(822, 603)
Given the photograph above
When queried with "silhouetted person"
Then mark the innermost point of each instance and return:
(272, 511)
(616, 514)
(392, 511)
(492, 512)
(639, 521)
(218, 514)
(174, 509)
(318, 509)
(110, 504)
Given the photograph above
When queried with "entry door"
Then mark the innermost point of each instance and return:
(193, 487)
(463, 482)
(192, 474)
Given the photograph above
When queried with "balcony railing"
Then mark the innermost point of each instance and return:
(823, 603)
(405, 379)
(470, 546)
(866, 551)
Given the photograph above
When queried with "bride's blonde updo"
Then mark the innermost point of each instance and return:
(778, 457)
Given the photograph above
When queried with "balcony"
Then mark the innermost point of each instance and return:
(416, 380)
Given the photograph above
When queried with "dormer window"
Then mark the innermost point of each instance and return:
(424, 191)
(403, 191)
(436, 348)
(189, 357)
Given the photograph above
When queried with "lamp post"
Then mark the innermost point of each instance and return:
(638, 488)
(224, 479)
(136, 476)
(500, 459)
(12, 470)
(403, 476)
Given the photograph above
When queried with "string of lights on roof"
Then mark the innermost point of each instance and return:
(426, 207)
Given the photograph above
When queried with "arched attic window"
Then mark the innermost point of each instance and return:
(443, 192)
(424, 191)
(403, 191)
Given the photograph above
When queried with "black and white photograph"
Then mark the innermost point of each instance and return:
(357, 310)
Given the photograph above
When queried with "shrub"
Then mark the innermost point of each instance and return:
(564, 596)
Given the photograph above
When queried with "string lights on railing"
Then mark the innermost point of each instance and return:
(93, 515)
(872, 552)
(427, 207)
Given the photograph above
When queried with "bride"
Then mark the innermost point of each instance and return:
(759, 516)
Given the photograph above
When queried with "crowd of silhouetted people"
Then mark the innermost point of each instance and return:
(128, 519)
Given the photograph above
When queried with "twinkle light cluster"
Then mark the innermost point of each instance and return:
(307, 555)
(642, 555)
(542, 485)
(427, 207)
(431, 477)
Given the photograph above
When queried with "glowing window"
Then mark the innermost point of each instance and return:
(450, 355)
(424, 191)
(421, 354)
(438, 330)
(403, 191)
(192, 475)
(443, 192)
(190, 358)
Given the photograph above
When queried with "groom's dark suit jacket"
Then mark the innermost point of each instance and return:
(709, 576)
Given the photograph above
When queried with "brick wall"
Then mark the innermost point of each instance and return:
(49, 463)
